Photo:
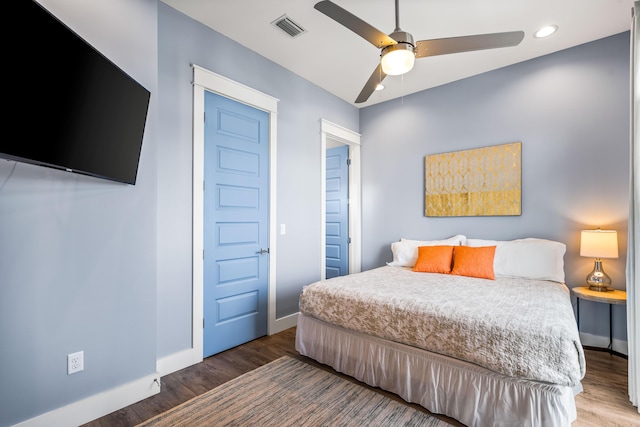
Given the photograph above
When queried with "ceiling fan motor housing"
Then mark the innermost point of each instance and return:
(402, 37)
(399, 46)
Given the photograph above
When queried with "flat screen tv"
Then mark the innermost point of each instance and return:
(73, 108)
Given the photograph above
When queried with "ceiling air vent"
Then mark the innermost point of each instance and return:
(288, 26)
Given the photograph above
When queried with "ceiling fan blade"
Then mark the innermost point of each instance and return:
(355, 24)
(467, 43)
(376, 78)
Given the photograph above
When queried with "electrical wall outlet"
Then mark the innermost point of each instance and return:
(75, 362)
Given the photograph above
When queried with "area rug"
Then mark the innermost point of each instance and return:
(290, 392)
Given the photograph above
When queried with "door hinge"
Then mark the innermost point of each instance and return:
(348, 162)
(203, 323)
(349, 240)
(203, 254)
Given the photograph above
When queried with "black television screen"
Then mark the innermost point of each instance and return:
(74, 109)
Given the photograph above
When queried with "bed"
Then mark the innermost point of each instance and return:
(482, 331)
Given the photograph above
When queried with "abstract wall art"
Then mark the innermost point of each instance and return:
(477, 182)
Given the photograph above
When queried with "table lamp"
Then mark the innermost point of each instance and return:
(599, 244)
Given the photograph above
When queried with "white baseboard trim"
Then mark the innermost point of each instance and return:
(284, 323)
(180, 360)
(99, 405)
(590, 340)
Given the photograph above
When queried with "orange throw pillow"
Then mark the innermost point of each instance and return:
(474, 261)
(434, 259)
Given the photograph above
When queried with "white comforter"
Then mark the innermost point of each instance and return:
(518, 327)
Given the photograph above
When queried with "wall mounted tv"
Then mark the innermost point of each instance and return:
(75, 110)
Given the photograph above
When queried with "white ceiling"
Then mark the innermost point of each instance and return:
(338, 60)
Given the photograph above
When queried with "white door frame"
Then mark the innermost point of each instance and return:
(330, 130)
(204, 80)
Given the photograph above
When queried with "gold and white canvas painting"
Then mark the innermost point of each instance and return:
(478, 182)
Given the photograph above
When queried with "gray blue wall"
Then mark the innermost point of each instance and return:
(570, 110)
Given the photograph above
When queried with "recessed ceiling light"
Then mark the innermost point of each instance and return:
(545, 31)
(380, 86)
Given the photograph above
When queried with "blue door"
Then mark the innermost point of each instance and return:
(236, 205)
(337, 212)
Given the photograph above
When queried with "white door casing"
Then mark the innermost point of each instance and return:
(329, 130)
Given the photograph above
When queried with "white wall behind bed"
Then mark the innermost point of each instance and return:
(571, 112)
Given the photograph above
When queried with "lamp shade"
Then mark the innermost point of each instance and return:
(599, 243)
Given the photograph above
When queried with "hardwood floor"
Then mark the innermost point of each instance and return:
(603, 403)
(605, 399)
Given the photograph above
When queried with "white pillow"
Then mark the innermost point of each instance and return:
(530, 258)
(405, 252)
(482, 242)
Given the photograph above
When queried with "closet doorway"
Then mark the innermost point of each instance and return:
(336, 136)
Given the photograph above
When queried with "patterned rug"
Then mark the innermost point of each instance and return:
(289, 392)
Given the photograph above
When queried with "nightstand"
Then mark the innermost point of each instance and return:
(609, 297)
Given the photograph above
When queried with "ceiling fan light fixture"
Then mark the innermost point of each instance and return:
(397, 59)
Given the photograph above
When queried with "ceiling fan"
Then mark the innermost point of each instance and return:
(398, 50)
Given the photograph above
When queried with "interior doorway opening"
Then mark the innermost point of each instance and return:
(335, 135)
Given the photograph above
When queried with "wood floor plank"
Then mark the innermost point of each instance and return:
(603, 403)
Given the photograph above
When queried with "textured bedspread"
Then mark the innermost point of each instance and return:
(519, 327)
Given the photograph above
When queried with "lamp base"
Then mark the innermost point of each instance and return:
(598, 280)
(600, 288)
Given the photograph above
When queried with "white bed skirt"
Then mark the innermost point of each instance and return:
(469, 393)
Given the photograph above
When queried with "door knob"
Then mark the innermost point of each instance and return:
(263, 251)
